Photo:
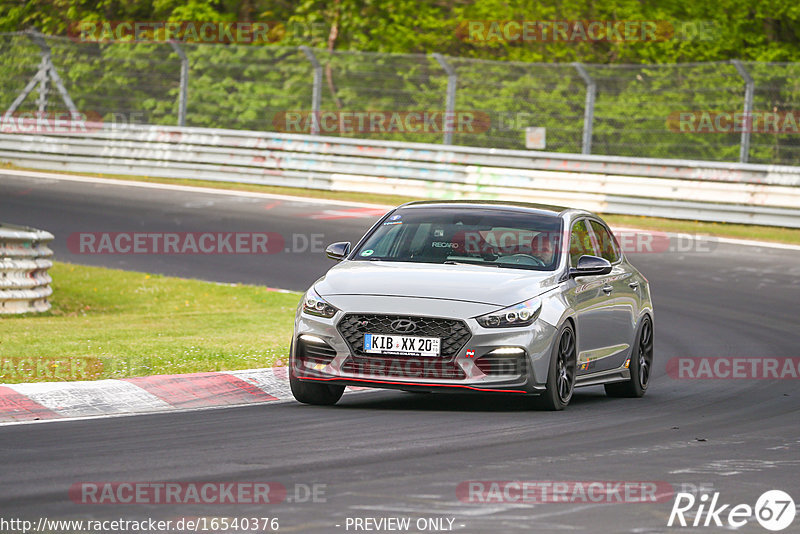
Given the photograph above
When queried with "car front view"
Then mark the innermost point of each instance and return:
(476, 297)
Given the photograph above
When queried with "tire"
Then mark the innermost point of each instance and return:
(641, 365)
(313, 393)
(561, 373)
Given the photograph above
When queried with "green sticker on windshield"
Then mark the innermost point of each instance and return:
(368, 252)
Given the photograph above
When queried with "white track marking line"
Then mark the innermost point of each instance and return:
(190, 189)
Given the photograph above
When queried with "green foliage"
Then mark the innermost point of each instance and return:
(375, 55)
(704, 30)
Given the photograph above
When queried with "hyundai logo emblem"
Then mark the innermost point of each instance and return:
(403, 325)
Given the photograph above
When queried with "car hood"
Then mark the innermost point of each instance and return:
(470, 283)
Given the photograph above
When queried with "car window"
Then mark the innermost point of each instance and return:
(608, 249)
(387, 247)
(580, 242)
(480, 236)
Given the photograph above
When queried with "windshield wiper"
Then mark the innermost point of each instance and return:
(452, 262)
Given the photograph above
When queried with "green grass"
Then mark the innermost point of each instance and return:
(740, 231)
(107, 323)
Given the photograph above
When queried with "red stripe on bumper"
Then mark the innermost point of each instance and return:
(362, 380)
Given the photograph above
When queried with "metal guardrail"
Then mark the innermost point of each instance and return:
(683, 189)
(24, 281)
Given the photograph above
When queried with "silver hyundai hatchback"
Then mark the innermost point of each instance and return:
(476, 296)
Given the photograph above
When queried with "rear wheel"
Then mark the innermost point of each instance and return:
(641, 365)
(561, 374)
(320, 394)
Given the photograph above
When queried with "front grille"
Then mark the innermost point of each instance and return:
(501, 365)
(453, 333)
(399, 367)
(314, 353)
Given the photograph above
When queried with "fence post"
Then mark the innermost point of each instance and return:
(40, 75)
(316, 90)
(46, 70)
(184, 92)
(749, 89)
(47, 56)
(450, 104)
(43, 88)
(588, 109)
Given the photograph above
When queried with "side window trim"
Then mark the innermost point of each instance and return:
(617, 248)
(614, 243)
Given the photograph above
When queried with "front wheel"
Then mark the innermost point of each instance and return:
(319, 394)
(561, 374)
(641, 365)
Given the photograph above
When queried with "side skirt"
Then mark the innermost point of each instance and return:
(604, 377)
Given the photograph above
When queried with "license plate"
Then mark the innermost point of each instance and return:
(401, 345)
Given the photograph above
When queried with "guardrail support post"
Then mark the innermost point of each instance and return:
(450, 104)
(588, 109)
(184, 92)
(749, 89)
(316, 90)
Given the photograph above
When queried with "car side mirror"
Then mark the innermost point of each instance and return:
(339, 251)
(590, 266)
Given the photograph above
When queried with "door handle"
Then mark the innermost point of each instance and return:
(608, 289)
(634, 285)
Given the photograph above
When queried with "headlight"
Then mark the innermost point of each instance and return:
(313, 304)
(522, 314)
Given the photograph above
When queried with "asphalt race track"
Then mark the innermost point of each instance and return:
(394, 454)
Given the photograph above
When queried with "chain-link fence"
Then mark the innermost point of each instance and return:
(687, 111)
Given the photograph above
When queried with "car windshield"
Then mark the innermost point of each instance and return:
(482, 236)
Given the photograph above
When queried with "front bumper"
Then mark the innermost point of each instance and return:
(321, 354)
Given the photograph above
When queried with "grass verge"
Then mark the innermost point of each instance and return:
(107, 323)
(737, 231)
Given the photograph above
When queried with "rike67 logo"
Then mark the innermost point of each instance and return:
(774, 510)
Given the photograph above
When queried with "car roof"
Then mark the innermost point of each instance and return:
(543, 209)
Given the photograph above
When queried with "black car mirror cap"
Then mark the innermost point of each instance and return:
(338, 251)
(590, 266)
